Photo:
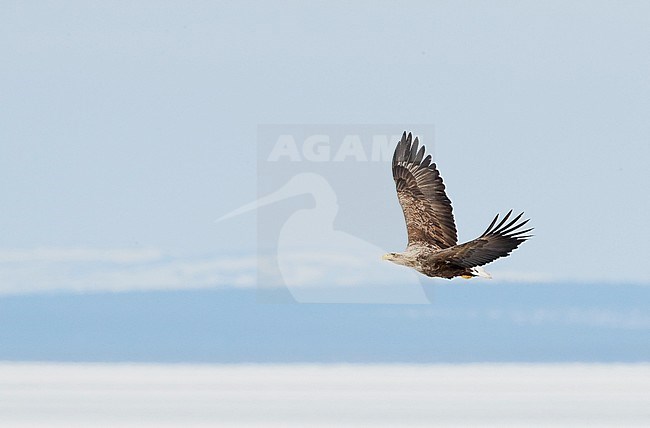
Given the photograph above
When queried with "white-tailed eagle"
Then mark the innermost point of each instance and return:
(433, 247)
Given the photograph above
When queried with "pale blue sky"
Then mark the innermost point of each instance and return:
(133, 126)
(126, 129)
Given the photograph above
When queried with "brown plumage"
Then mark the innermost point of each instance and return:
(432, 238)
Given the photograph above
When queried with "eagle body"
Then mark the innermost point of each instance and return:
(426, 260)
(433, 248)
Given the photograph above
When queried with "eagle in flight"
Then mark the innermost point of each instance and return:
(433, 247)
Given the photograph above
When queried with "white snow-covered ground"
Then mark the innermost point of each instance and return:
(145, 395)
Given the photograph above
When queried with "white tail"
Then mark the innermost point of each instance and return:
(479, 271)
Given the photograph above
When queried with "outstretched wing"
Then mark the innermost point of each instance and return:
(497, 241)
(421, 192)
